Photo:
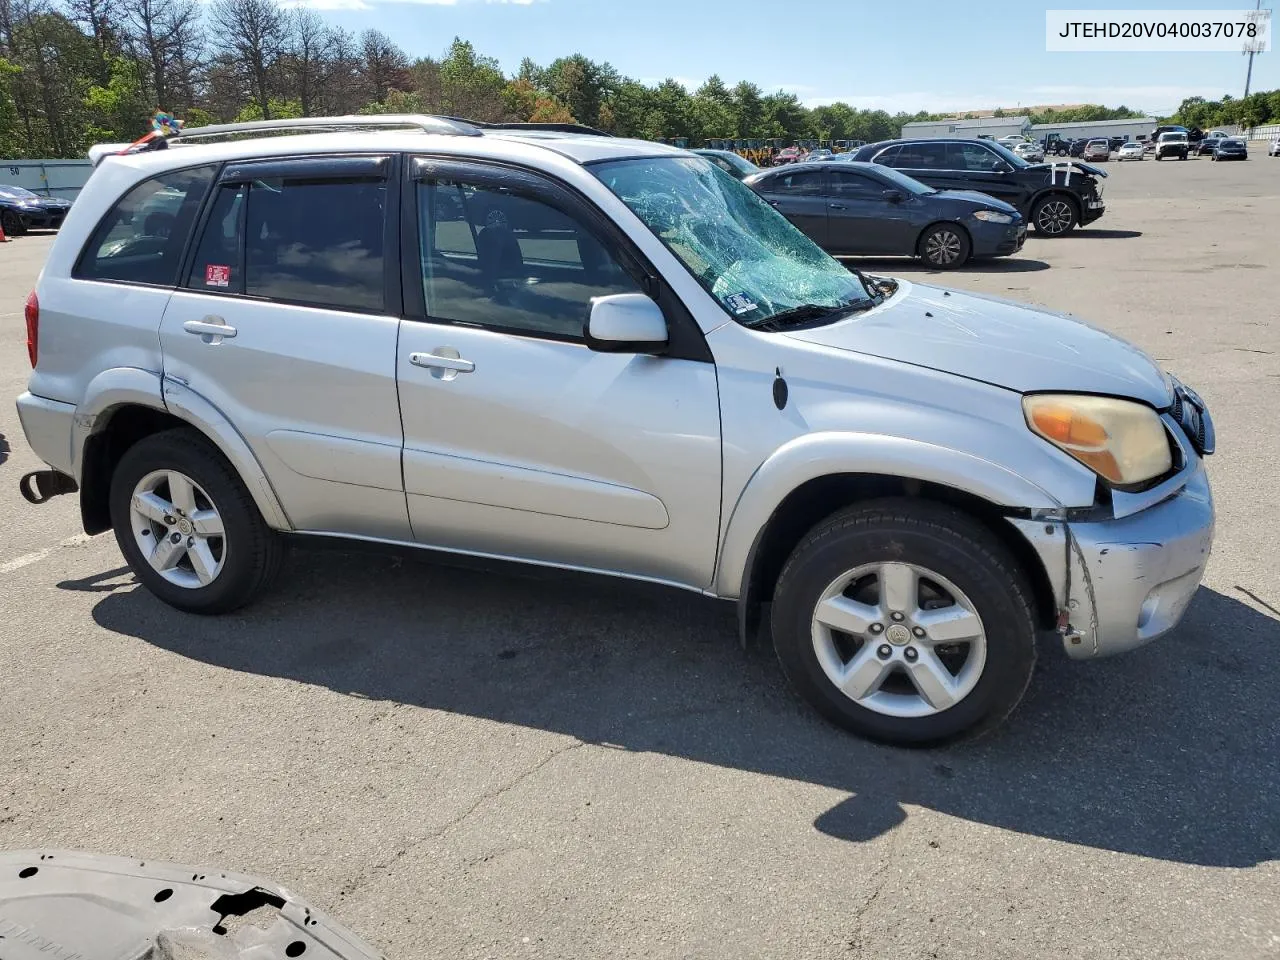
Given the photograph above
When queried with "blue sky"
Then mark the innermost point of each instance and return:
(892, 55)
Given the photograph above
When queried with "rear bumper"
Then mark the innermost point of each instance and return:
(1123, 583)
(47, 425)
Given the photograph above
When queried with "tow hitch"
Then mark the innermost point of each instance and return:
(40, 486)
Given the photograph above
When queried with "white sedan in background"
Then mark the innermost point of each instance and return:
(1273, 148)
(1130, 150)
(1030, 152)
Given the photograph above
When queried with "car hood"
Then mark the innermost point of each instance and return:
(976, 199)
(996, 341)
(61, 904)
(1083, 167)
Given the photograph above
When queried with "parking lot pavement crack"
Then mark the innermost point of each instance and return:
(879, 880)
(360, 879)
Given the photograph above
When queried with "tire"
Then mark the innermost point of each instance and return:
(220, 573)
(1054, 215)
(944, 246)
(950, 552)
(13, 224)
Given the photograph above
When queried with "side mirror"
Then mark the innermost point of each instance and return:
(1002, 167)
(893, 196)
(626, 323)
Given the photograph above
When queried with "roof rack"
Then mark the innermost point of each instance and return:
(427, 124)
(534, 127)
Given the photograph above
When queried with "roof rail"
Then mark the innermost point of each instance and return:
(427, 124)
(539, 127)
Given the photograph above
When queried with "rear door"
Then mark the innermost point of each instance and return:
(287, 323)
(520, 440)
(800, 197)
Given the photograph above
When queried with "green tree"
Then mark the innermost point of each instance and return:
(119, 110)
(713, 110)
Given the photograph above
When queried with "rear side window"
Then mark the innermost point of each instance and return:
(142, 237)
(803, 183)
(300, 241)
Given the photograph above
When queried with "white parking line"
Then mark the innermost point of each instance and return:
(17, 563)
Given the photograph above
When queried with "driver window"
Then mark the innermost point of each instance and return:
(971, 156)
(141, 238)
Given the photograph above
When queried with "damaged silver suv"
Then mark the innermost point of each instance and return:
(562, 348)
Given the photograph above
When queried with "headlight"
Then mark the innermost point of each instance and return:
(1121, 441)
(993, 216)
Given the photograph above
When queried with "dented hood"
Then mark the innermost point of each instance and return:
(76, 906)
(998, 342)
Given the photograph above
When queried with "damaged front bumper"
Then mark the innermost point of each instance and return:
(1121, 583)
(78, 906)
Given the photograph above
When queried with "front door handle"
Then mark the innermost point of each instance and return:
(441, 364)
(211, 329)
(838, 206)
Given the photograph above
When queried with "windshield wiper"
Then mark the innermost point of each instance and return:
(809, 312)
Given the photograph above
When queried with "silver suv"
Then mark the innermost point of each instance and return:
(605, 355)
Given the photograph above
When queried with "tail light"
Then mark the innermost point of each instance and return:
(32, 314)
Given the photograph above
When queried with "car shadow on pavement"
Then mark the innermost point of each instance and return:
(1168, 752)
(1097, 233)
(888, 265)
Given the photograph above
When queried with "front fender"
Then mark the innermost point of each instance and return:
(830, 453)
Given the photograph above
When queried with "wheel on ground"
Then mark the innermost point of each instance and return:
(945, 246)
(1054, 216)
(905, 622)
(188, 527)
(14, 225)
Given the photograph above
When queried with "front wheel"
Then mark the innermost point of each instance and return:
(905, 622)
(14, 225)
(188, 527)
(1054, 216)
(945, 246)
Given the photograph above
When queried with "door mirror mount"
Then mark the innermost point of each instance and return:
(626, 323)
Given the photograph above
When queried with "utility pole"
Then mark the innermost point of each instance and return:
(1252, 47)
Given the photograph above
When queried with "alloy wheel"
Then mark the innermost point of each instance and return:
(942, 247)
(178, 529)
(899, 639)
(1054, 216)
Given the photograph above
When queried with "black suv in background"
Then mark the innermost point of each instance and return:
(1053, 197)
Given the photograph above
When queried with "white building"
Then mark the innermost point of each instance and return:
(994, 127)
(1129, 129)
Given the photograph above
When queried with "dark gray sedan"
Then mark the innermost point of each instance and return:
(852, 209)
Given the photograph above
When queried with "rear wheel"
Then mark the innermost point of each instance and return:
(1054, 215)
(188, 527)
(945, 246)
(905, 622)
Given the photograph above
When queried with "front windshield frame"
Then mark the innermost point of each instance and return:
(753, 263)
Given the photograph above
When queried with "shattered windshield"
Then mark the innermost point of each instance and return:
(746, 254)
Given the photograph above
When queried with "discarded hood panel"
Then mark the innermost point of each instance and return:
(77, 906)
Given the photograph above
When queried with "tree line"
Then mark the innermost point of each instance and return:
(78, 72)
(1251, 111)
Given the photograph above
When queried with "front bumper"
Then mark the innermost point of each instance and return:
(1092, 209)
(1122, 583)
(997, 239)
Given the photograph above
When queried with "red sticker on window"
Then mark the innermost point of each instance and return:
(217, 275)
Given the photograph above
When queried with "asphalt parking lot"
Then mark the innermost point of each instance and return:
(457, 764)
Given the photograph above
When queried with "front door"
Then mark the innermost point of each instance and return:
(287, 323)
(984, 170)
(862, 220)
(520, 440)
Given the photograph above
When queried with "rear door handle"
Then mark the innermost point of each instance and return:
(434, 361)
(213, 329)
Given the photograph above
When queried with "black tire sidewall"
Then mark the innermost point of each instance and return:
(998, 595)
(243, 526)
